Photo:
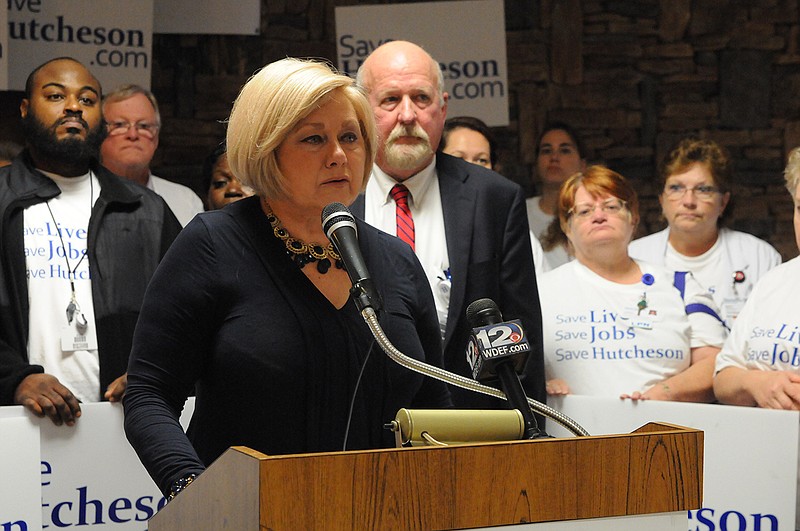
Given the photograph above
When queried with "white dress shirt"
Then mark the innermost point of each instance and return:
(181, 199)
(430, 241)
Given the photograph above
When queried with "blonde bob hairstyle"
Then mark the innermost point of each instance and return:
(271, 104)
(792, 171)
(598, 181)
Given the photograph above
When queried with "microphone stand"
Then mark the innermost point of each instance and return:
(371, 318)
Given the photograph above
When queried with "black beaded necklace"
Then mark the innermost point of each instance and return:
(303, 253)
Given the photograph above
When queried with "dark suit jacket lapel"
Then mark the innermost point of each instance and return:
(357, 208)
(458, 207)
(459, 218)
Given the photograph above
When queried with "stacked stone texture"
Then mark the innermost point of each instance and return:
(633, 76)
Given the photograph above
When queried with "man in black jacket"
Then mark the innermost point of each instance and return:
(470, 229)
(78, 246)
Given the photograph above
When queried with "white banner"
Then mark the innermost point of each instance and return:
(88, 475)
(219, 17)
(83, 475)
(750, 464)
(112, 38)
(20, 492)
(467, 38)
(4, 49)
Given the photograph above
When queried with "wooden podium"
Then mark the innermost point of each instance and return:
(655, 469)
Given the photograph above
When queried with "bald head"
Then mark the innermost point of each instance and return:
(401, 52)
(406, 91)
(58, 63)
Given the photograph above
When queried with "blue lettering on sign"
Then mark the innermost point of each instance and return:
(354, 51)
(358, 47)
(60, 31)
(32, 6)
(482, 75)
(133, 41)
(19, 525)
(47, 469)
(87, 510)
(708, 519)
(474, 90)
(470, 69)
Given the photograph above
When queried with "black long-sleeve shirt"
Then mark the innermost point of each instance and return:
(273, 362)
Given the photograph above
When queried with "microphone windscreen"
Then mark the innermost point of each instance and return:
(335, 215)
(483, 312)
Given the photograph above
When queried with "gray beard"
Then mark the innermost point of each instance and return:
(406, 157)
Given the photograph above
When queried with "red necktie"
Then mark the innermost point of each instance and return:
(405, 222)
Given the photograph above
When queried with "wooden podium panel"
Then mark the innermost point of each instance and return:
(655, 469)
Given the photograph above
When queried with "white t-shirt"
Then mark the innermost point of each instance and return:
(605, 338)
(538, 221)
(766, 335)
(182, 200)
(49, 270)
(729, 270)
(540, 265)
(430, 242)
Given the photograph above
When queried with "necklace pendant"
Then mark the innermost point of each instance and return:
(323, 265)
(302, 253)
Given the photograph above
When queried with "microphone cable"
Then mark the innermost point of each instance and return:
(370, 317)
(353, 397)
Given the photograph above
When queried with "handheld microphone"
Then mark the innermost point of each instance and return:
(498, 350)
(340, 227)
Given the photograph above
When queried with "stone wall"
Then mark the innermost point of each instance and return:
(636, 76)
(633, 75)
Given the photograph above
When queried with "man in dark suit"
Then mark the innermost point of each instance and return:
(468, 224)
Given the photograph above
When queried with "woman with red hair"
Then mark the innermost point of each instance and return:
(614, 325)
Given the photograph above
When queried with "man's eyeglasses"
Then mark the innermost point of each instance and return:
(705, 192)
(142, 128)
(610, 206)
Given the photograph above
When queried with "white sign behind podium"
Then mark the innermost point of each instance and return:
(88, 475)
(20, 495)
(468, 38)
(750, 459)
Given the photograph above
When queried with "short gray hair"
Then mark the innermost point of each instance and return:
(127, 91)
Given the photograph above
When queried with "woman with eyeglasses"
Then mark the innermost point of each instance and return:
(613, 325)
(696, 201)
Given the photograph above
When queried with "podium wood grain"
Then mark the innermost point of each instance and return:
(657, 468)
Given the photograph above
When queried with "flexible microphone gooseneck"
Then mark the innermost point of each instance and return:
(335, 216)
